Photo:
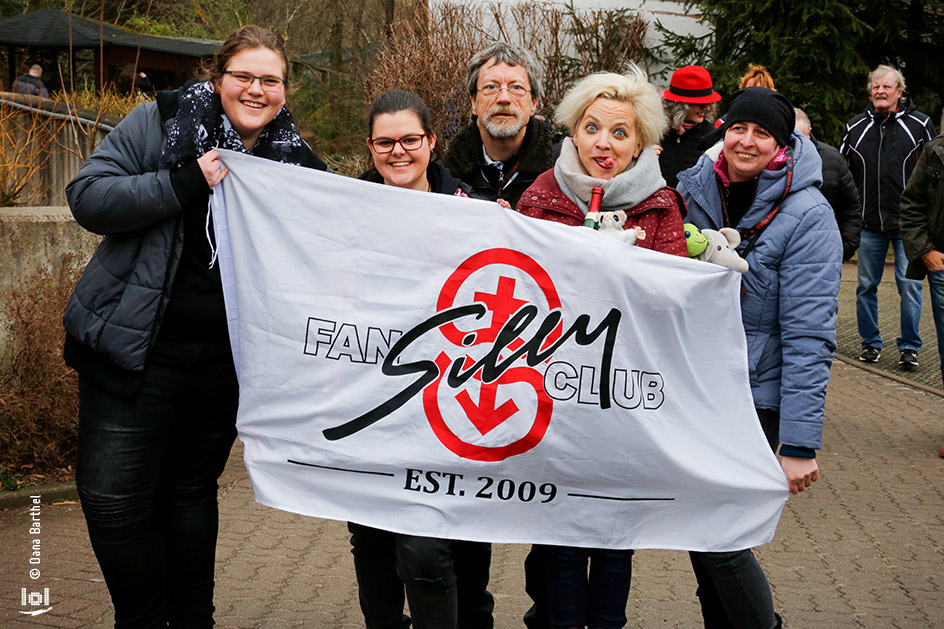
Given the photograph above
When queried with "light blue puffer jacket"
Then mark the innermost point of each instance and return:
(790, 305)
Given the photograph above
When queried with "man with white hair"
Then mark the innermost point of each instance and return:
(31, 83)
(882, 145)
(507, 146)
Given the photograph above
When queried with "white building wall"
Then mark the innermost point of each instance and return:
(671, 15)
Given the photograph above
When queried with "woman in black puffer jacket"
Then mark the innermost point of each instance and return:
(146, 329)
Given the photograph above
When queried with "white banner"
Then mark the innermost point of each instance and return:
(440, 366)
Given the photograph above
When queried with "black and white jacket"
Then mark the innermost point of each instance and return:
(882, 150)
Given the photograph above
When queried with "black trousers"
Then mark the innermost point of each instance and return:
(444, 580)
(147, 476)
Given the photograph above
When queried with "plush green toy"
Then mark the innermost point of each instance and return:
(697, 243)
(717, 247)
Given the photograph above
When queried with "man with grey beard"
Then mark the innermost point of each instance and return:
(506, 146)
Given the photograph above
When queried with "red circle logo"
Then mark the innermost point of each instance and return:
(489, 412)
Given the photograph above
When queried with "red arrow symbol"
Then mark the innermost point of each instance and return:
(484, 416)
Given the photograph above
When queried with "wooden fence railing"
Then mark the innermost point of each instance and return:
(42, 145)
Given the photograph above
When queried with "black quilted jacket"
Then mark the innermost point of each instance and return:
(840, 190)
(127, 193)
(882, 150)
(680, 152)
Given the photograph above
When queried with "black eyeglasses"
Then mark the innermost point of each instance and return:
(408, 142)
(268, 82)
(515, 91)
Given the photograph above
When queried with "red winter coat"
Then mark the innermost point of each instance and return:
(660, 215)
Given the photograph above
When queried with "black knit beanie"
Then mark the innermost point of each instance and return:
(771, 110)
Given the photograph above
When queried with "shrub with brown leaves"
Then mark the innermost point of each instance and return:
(431, 61)
(26, 140)
(38, 393)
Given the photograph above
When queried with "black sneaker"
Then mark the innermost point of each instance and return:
(870, 355)
(908, 359)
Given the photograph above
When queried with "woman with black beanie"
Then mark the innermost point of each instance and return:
(765, 184)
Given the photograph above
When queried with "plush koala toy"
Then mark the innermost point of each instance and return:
(716, 247)
(611, 224)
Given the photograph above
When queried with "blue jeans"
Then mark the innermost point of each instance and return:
(147, 475)
(597, 599)
(936, 284)
(873, 247)
(445, 580)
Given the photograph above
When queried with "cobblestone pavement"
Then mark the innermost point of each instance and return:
(863, 548)
(889, 324)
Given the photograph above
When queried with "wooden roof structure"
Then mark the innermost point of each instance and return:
(115, 48)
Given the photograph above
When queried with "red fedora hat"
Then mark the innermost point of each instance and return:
(691, 84)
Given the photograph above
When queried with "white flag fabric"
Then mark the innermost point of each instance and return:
(441, 366)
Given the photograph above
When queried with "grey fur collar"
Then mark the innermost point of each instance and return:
(627, 189)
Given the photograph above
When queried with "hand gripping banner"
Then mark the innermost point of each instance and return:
(441, 366)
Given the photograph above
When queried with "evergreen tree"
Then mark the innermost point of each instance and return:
(812, 50)
(907, 34)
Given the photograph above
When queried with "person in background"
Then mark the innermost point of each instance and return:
(687, 101)
(31, 83)
(882, 145)
(765, 185)
(146, 329)
(757, 76)
(614, 121)
(922, 231)
(506, 146)
(137, 84)
(143, 84)
(445, 580)
(838, 188)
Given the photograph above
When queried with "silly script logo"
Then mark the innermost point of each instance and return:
(487, 373)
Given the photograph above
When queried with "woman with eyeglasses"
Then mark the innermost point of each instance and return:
(445, 580)
(403, 146)
(146, 329)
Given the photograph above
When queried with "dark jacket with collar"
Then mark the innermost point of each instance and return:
(129, 194)
(922, 208)
(840, 190)
(539, 151)
(882, 150)
(680, 152)
(31, 85)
